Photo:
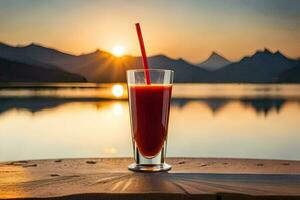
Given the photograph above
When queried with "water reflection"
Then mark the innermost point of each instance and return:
(118, 90)
(215, 126)
(266, 105)
(77, 129)
(261, 106)
(118, 109)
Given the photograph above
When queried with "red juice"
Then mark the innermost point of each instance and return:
(149, 106)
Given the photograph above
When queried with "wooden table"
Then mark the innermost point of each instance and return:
(190, 178)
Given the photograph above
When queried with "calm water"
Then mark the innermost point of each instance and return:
(88, 120)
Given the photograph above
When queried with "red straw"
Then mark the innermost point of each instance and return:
(143, 51)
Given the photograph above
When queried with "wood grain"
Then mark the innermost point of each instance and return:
(190, 178)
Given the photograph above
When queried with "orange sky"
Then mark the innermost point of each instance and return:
(188, 29)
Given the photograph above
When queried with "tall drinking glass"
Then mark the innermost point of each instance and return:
(149, 113)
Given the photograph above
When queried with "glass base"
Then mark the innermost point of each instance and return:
(149, 168)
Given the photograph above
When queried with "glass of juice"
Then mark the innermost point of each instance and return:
(149, 105)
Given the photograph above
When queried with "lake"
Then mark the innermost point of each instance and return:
(42, 121)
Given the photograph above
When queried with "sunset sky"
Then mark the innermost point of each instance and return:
(178, 28)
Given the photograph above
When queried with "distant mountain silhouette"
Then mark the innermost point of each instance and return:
(214, 62)
(291, 75)
(261, 67)
(11, 71)
(100, 66)
(32, 54)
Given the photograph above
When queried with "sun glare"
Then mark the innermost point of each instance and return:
(117, 90)
(118, 50)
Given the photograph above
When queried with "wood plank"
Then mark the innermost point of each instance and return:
(98, 178)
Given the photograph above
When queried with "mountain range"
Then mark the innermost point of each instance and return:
(100, 66)
(262, 67)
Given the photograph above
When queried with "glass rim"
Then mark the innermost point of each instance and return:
(150, 70)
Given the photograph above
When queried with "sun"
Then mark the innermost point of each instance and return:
(118, 50)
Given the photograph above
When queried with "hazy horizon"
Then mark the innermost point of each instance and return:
(191, 30)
